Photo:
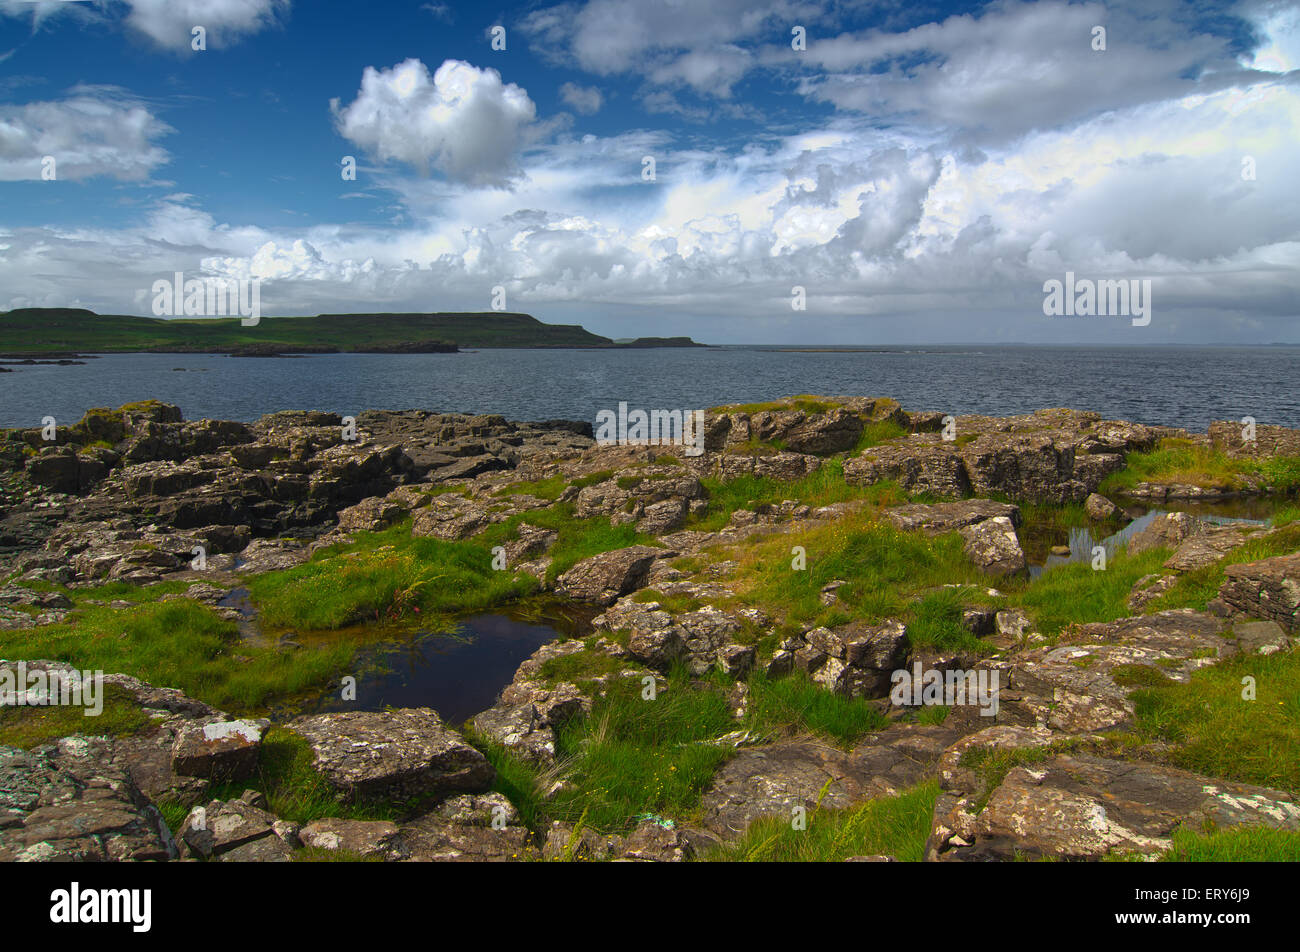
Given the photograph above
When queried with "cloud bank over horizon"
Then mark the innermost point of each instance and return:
(919, 178)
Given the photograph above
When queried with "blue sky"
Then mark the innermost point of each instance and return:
(919, 169)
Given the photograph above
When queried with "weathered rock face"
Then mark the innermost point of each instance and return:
(1048, 456)
(235, 831)
(1165, 531)
(922, 465)
(819, 433)
(950, 516)
(1083, 683)
(1082, 806)
(1228, 436)
(68, 802)
(392, 754)
(1211, 544)
(1099, 507)
(994, 546)
(1268, 589)
(526, 715)
(221, 750)
(657, 498)
(603, 578)
(775, 779)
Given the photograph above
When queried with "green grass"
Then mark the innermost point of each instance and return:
(804, 402)
(1184, 461)
(1195, 589)
(180, 644)
(294, 789)
(1286, 516)
(1251, 844)
(387, 576)
(874, 434)
(29, 727)
(1216, 732)
(821, 488)
(794, 704)
(1175, 461)
(631, 756)
(581, 666)
(883, 568)
(890, 826)
(549, 488)
(576, 539)
(1076, 593)
(935, 623)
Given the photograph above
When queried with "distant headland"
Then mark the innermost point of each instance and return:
(42, 331)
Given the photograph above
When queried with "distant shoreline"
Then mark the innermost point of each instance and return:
(44, 332)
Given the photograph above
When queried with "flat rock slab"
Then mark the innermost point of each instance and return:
(221, 750)
(392, 754)
(1073, 686)
(1084, 807)
(67, 802)
(949, 516)
(604, 578)
(1267, 589)
(774, 779)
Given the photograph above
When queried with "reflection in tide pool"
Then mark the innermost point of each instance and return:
(1082, 541)
(458, 675)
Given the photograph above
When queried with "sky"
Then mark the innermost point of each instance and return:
(661, 167)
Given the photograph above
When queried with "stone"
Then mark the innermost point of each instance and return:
(1268, 589)
(603, 578)
(1167, 530)
(1100, 508)
(68, 802)
(394, 754)
(223, 750)
(1081, 806)
(994, 546)
(360, 837)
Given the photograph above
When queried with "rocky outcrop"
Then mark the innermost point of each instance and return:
(603, 579)
(1080, 806)
(69, 802)
(1048, 456)
(774, 780)
(994, 546)
(1267, 589)
(396, 755)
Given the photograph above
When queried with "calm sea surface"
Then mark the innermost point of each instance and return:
(1176, 386)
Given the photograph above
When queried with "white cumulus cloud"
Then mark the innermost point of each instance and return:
(462, 120)
(97, 131)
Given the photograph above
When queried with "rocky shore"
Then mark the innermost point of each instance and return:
(821, 548)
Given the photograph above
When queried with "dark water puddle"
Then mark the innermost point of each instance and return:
(1082, 539)
(458, 673)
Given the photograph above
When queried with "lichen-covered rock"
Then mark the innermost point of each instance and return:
(68, 802)
(994, 546)
(948, 516)
(221, 750)
(1267, 589)
(603, 579)
(1080, 806)
(1100, 508)
(396, 754)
